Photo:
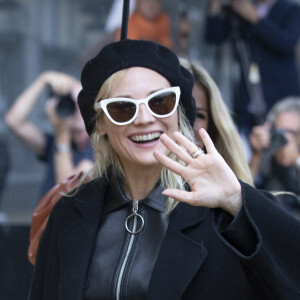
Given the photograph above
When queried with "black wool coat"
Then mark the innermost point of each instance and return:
(204, 255)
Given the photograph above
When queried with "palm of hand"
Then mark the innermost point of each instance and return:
(212, 182)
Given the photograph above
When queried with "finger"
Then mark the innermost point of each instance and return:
(169, 163)
(208, 143)
(175, 148)
(185, 142)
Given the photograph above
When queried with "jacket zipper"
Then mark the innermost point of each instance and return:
(135, 207)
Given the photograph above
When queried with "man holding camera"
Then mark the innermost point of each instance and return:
(265, 34)
(275, 162)
(67, 150)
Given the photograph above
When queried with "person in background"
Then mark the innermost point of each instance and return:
(213, 115)
(161, 219)
(67, 151)
(149, 22)
(275, 161)
(270, 30)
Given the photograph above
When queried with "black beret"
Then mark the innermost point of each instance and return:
(133, 53)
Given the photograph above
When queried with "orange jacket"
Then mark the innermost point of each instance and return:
(158, 30)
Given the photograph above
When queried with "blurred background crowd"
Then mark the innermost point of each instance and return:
(250, 47)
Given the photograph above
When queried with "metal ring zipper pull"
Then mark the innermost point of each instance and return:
(134, 213)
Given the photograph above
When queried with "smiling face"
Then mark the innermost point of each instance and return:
(202, 110)
(134, 143)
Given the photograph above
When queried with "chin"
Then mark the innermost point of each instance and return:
(146, 161)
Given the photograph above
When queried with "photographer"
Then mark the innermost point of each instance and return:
(67, 150)
(269, 31)
(275, 162)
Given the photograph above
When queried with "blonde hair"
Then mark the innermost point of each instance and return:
(220, 125)
(106, 159)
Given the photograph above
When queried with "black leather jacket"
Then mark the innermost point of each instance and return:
(122, 262)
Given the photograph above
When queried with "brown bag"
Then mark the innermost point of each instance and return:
(42, 211)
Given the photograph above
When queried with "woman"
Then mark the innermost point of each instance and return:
(124, 235)
(212, 115)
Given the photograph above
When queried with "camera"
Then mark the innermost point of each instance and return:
(278, 139)
(65, 106)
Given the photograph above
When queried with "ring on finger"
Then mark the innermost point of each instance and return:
(197, 153)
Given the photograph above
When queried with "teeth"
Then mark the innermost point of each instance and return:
(146, 137)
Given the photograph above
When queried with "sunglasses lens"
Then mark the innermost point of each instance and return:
(121, 111)
(163, 104)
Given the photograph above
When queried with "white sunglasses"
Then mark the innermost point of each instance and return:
(123, 111)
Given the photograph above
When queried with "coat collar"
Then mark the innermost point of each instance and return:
(76, 244)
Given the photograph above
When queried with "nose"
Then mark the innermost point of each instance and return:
(144, 116)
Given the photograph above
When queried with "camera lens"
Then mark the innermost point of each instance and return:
(278, 139)
(65, 106)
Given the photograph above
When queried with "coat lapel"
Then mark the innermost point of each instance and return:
(180, 256)
(76, 243)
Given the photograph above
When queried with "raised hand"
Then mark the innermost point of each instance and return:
(260, 138)
(60, 83)
(246, 10)
(212, 182)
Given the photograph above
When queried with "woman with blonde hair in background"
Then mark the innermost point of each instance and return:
(213, 115)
